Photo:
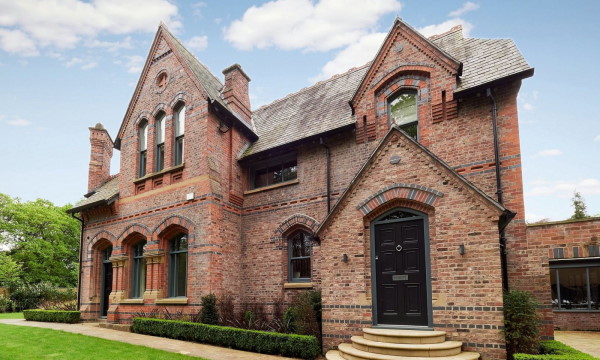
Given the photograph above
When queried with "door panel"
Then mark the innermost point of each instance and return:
(400, 273)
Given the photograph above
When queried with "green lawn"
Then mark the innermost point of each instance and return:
(18, 315)
(24, 342)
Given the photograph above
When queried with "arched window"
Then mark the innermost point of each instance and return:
(138, 270)
(299, 253)
(403, 112)
(178, 265)
(143, 146)
(179, 120)
(160, 142)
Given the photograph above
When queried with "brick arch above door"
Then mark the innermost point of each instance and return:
(399, 191)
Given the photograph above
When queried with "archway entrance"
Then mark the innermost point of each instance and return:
(106, 288)
(401, 280)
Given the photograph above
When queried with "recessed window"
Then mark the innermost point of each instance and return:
(179, 120)
(178, 251)
(143, 146)
(274, 171)
(161, 79)
(575, 286)
(299, 251)
(403, 112)
(160, 142)
(138, 270)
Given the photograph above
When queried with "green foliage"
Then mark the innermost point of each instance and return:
(70, 317)
(43, 295)
(209, 314)
(305, 314)
(555, 350)
(10, 271)
(521, 323)
(301, 346)
(289, 321)
(42, 238)
(5, 304)
(579, 207)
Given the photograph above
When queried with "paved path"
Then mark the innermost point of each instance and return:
(177, 346)
(586, 341)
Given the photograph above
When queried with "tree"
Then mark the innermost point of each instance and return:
(579, 206)
(10, 271)
(42, 238)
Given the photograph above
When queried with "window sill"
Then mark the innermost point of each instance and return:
(131, 301)
(270, 187)
(298, 285)
(172, 301)
(158, 173)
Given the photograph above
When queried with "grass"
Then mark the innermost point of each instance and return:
(18, 315)
(24, 342)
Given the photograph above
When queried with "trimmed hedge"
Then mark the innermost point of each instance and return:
(70, 317)
(264, 342)
(555, 350)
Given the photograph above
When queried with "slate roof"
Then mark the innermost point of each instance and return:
(103, 195)
(311, 111)
(484, 60)
(324, 106)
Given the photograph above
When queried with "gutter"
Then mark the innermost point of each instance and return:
(507, 216)
(80, 260)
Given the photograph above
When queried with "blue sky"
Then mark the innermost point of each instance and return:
(68, 64)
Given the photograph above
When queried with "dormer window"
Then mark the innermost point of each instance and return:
(179, 120)
(143, 146)
(403, 112)
(160, 142)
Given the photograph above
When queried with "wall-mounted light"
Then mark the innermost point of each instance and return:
(223, 127)
(345, 258)
(461, 249)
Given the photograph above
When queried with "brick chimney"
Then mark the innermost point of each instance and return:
(235, 91)
(101, 153)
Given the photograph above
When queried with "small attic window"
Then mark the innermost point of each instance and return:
(161, 79)
(403, 112)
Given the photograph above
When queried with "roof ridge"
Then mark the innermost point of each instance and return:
(444, 34)
(333, 77)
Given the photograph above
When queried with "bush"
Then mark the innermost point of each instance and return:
(306, 347)
(209, 314)
(44, 295)
(5, 304)
(304, 317)
(70, 317)
(521, 323)
(555, 350)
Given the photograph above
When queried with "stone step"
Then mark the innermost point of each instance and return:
(404, 336)
(446, 348)
(348, 352)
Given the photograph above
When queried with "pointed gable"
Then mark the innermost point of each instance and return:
(165, 44)
(403, 39)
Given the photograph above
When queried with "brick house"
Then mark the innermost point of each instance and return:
(380, 187)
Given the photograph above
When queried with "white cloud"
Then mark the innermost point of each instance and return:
(64, 23)
(565, 189)
(356, 54)
(467, 7)
(437, 29)
(196, 8)
(308, 25)
(135, 63)
(17, 42)
(111, 46)
(89, 65)
(549, 152)
(74, 61)
(218, 20)
(528, 106)
(18, 122)
(597, 138)
(197, 43)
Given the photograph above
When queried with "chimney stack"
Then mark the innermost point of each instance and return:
(101, 153)
(235, 91)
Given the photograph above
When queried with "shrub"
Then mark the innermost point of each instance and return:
(209, 314)
(70, 317)
(555, 350)
(5, 304)
(521, 323)
(306, 347)
(44, 295)
(165, 314)
(305, 314)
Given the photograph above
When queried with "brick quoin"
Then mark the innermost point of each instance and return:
(238, 236)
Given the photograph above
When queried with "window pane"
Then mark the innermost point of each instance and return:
(289, 171)
(404, 108)
(179, 150)
(180, 121)
(573, 288)
(595, 287)
(554, 288)
(160, 129)
(261, 178)
(300, 268)
(142, 169)
(275, 174)
(143, 137)
(160, 157)
(181, 270)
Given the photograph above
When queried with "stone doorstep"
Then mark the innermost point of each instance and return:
(119, 327)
